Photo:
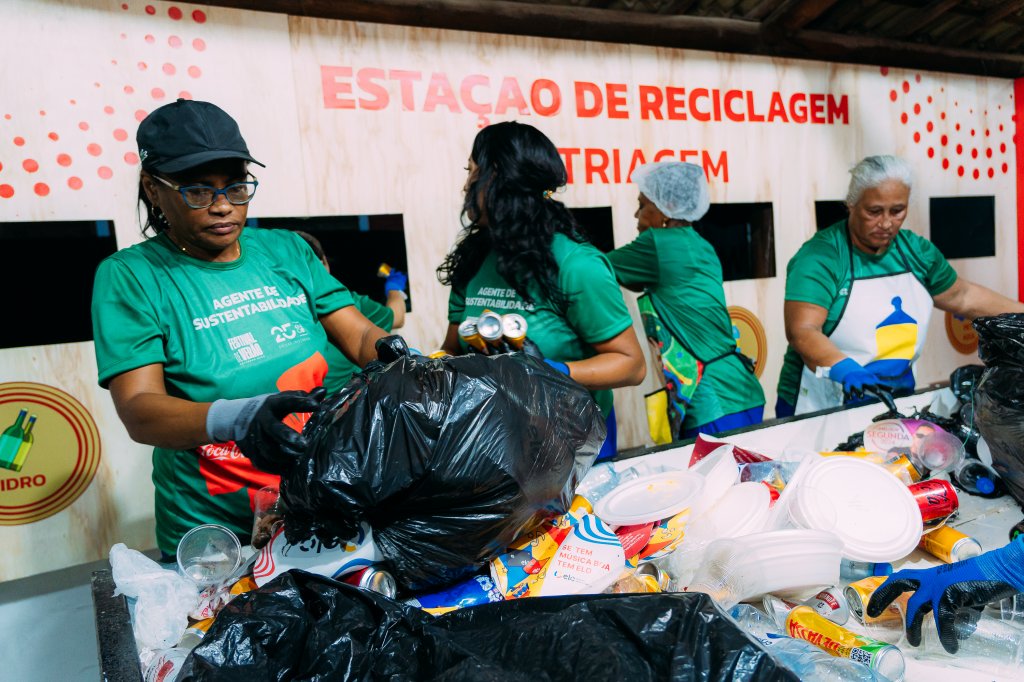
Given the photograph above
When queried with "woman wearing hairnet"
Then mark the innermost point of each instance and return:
(709, 386)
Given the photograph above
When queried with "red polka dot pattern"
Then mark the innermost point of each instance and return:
(104, 172)
(41, 188)
(6, 191)
(75, 182)
(30, 165)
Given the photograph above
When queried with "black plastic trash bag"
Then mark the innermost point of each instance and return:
(301, 626)
(449, 460)
(999, 397)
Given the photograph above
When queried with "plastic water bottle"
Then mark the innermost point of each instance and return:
(805, 660)
(163, 665)
(850, 570)
(977, 478)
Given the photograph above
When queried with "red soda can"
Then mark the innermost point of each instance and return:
(935, 498)
(373, 579)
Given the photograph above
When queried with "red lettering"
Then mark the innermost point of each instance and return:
(366, 80)
(637, 160)
(752, 115)
(616, 100)
(838, 110)
(798, 108)
(466, 94)
(405, 80)
(697, 114)
(684, 154)
(650, 102)
(616, 169)
(25, 481)
(39, 480)
(544, 85)
(716, 104)
(817, 108)
(440, 93)
(510, 97)
(583, 90)
(777, 108)
(676, 103)
(662, 154)
(335, 89)
(730, 97)
(593, 168)
(713, 169)
(569, 153)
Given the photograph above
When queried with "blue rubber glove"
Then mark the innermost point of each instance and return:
(558, 366)
(396, 281)
(945, 590)
(854, 378)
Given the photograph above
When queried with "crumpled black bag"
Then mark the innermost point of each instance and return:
(449, 460)
(999, 396)
(302, 626)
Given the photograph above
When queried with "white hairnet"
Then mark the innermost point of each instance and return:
(679, 190)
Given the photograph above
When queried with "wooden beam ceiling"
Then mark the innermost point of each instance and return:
(681, 31)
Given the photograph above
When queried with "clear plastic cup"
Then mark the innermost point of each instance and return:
(1012, 609)
(267, 512)
(209, 554)
(985, 643)
(939, 452)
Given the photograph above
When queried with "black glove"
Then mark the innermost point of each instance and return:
(272, 445)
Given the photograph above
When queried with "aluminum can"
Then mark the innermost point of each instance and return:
(489, 326)
(373, 579)
(858, 594)
(882, 657)
(477, 590)
(661, 578)
(903, 469)
(469, 334)
(830, 603)
(513, 327)
(383, 270)
(935, 498)
(950, 545)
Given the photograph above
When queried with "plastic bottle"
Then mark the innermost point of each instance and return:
(977, 478)
(805, 660)
(850, 570)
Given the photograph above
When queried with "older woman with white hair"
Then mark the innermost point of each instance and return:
(859, 295)
(709, 386)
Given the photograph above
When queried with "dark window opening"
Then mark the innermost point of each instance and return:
(828, 213)
(596, 226)
(40, 256)
(356, 246)
(743, 236)
(963, 227)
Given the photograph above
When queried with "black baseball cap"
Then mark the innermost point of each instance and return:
(186, 134)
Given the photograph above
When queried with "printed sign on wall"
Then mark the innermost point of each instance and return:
(750, 337)
(49, 451)
(961, 334)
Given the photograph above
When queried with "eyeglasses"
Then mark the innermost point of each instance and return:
(204, 196)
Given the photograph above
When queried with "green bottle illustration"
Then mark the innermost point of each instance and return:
(10, 441)
(26, 444)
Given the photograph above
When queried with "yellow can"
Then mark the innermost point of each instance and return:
(383, 270)
(489, 326)
(950, 545)
(513, 326)
(858, 594)
(806, 624)
(469, 334)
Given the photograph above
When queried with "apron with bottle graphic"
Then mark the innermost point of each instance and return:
(883, 327)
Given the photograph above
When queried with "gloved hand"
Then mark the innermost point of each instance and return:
(970, 583)
(256, 427)
(854, 378)
(558, 366)
(396, 281)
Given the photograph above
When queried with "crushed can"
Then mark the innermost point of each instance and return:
(490, 328)
(373, 579)
(477, 590)
(935, 498)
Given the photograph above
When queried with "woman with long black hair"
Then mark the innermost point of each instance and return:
(520, 252)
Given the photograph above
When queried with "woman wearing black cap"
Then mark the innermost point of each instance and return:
(207, 334)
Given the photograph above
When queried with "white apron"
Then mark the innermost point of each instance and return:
(883, 328)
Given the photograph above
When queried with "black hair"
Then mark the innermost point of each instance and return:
(509, 210)
(314, 244)
(155, 218)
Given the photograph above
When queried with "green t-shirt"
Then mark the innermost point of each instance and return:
(683, 276)
(340, 368)
(596, 311)
(820, 273)
(220, 330)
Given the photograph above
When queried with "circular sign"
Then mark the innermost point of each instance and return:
(49, 451)
(961, 334)
(750, 337)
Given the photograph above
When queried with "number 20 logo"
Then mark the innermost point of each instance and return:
(285, 332)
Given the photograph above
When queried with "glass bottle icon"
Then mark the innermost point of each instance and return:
(26, 444)
(10, 441)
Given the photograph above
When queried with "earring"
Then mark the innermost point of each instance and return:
(664, 222)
